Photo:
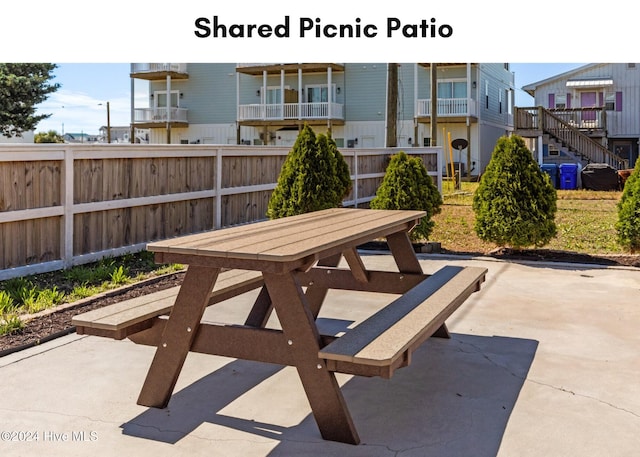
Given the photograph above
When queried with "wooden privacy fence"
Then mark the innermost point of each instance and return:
(63, 205)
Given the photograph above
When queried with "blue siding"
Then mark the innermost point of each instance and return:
(209, 94)
(365, 91)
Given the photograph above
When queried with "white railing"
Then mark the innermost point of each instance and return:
(258, 111)
(449, 107)
(158, 67)
(160, 115)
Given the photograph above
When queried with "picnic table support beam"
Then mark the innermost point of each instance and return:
(315, 294)
(400, 246)
(320, 385)
(178, 336)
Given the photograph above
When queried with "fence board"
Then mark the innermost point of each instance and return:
(120, 197)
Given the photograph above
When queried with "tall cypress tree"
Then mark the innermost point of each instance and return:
(314, 176)
(515, 203)
(407, 185)
(628, 223)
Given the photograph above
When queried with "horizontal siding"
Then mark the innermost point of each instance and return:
(365, 91)
(499, 81)
(625, 123)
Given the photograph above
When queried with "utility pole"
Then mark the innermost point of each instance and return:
(434, 105)
(392, 105)
(108, 123)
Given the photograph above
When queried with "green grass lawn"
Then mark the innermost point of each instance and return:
(585, 220)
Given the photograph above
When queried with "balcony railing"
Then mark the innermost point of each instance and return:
(449, 107)
(159, 67)
(289, 111)
(583, 118)
(159, 115)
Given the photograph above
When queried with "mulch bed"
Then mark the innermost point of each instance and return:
(58, 322)
(55, 323)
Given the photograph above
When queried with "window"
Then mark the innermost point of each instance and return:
(273, 95)
(613, 101)
(319, 93)
(452, 89)
(160, 99)
(560, 101)
(486, 94)
(500, 102)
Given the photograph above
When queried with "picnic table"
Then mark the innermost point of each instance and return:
(294, 261)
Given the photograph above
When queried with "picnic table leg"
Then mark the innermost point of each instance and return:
(178, 336)
(403, 253)
(261, 310)
(323, 392)
(407, 262)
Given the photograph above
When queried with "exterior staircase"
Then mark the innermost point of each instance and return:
(538, 121)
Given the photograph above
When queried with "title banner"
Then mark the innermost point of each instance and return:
(337, 31)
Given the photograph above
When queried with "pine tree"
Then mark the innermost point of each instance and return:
(407, 185)
(628, 223)
(515, 203)
(314, 176)
(23, 86)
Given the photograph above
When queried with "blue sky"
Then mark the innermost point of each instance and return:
(80, 103)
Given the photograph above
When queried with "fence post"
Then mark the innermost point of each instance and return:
(66, 238)
(355, 177)
(218, 188)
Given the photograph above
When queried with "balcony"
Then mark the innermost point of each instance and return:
(285, 113)
(157, 117)
(159, 71)
(257, 69)
(453, 108)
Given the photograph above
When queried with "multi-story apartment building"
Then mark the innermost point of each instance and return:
(363, 104)
(589, 114)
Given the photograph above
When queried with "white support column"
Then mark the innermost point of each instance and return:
(168, 109)
(540, 151)
(329, 97)
(263, 97)
(282, 94)
(300, 93)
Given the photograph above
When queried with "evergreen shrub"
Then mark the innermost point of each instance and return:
(628, 223)
(407, 185)
(314, 176)
(515, 202)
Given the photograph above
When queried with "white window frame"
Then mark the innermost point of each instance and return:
(272, 90)
(157, 95)
(319, 86)
(453, 81)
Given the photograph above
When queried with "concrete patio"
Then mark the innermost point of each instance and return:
(543, 361)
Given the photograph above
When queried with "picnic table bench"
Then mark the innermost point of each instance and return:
(294, 261)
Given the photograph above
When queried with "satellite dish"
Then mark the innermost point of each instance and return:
(459, 143)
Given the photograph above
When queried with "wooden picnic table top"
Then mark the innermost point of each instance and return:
(290, 239)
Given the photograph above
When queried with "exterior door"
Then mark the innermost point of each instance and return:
(588, 100)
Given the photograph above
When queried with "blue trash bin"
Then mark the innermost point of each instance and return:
(568, 176)
(552, 170)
